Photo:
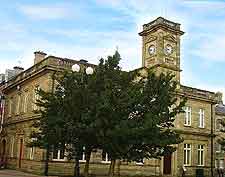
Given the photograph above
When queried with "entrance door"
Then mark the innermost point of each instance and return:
(3, 148)
(20, 152)
(3, 156)
(167, 164)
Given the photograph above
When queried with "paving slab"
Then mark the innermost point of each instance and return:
(14, 173)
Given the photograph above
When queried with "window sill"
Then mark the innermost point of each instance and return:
(201, 127)
(105, 161)
(59, 160)
(187, 125)
(82, 160)
(187, 165)
(139, 163)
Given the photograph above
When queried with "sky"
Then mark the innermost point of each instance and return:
(91, 29)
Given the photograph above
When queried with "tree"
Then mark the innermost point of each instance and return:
(111, 105)
(151, 122)
(127, 115)
(46, 131)
(135, 117)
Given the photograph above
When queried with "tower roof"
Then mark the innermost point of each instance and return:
(161, 22)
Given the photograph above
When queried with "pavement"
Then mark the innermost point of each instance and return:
(14, 173)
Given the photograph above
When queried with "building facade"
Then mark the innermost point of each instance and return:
(161, 52)
(219, 132)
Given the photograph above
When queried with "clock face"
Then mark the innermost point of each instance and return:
(151, 49)
(168, 49)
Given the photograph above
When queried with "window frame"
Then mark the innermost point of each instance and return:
(36, 97)
(185, 153)
(31, 153)
(141, 162)
(24, 109)
(201, 155)
(12, 146)
(221, 160)
(218, 145)
(83, 156)
(18, 103)
(107, 159)
(187, 116)
(58, 149)
(201, 122)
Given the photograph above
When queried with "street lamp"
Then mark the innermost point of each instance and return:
(88, 71)
(76, 68)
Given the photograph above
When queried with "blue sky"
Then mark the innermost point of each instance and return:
(90, 29)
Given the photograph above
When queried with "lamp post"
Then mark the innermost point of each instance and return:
(87, 71)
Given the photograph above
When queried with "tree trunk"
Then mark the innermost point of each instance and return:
(111, 168)
(118, 163)
(46, 161)
(76, 158)
(86, 168)
(76, 167)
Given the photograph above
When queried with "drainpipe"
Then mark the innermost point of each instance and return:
(2, 107)
(212, 136)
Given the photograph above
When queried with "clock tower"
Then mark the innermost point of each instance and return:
(161, 46)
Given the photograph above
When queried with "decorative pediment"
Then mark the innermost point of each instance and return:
(170, 38)
(151, 38)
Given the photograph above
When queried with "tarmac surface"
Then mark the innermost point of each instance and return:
(14, 173)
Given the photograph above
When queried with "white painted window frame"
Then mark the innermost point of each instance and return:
(18, 104)
(186, 149)
(10, 107)
(25, 101)
(58, 156)
(219, 148)
(140, 163)
(201, 155)
(12, 146)
(221, 163)
(31, 153)
(201, 118)
(106, 158)
(187, 116)
(83, 156)
(36, 97)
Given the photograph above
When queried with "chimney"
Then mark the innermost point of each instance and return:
(39, 56)
(18, 69)
(219, 97)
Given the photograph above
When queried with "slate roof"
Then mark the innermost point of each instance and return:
(220, 109)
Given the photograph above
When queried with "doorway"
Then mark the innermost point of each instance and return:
(167, 164)
(20, 152)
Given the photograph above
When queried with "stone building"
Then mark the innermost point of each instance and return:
(219, 117)
(160, 51)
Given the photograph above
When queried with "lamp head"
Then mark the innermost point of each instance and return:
(89, 70)
(75, 68)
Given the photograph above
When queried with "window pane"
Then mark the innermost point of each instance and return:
(55, 154)
(188, 157)
(185, 159)
(202, 158)
(62, 153)
(199, 158)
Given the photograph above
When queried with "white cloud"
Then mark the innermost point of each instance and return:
(50, 12)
